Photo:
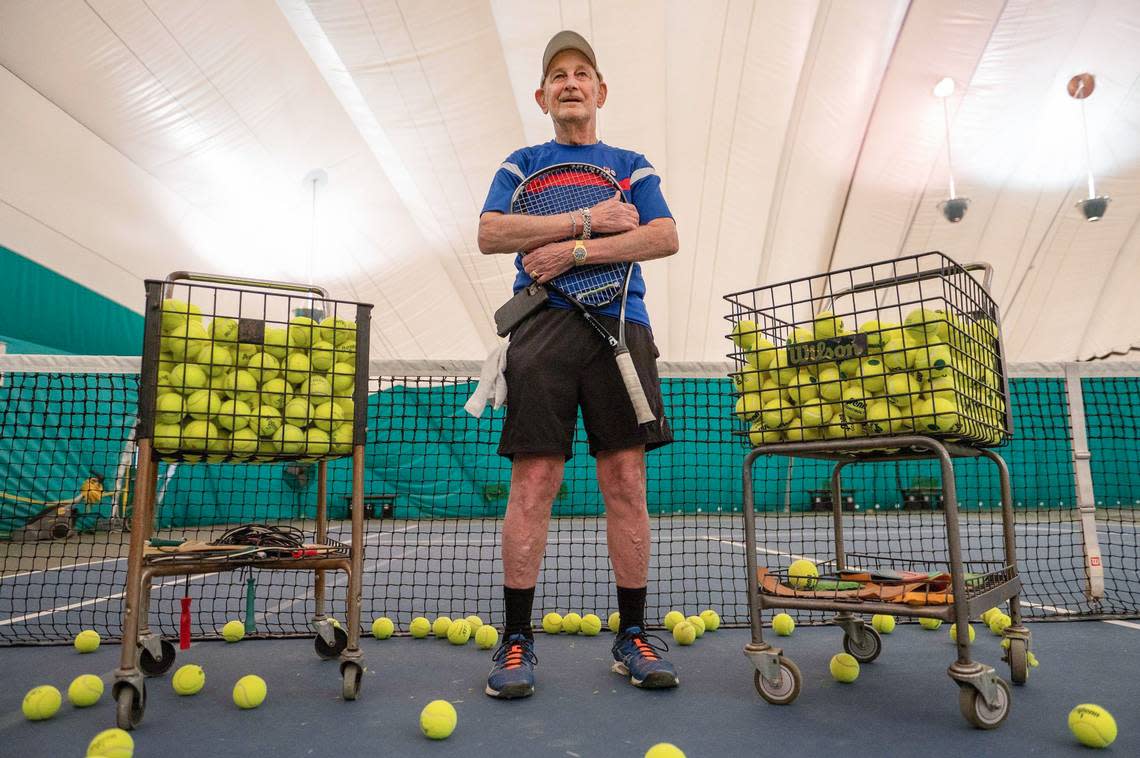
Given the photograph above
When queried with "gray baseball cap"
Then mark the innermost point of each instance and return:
(567, 40)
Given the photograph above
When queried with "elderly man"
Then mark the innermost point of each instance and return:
(556, 362)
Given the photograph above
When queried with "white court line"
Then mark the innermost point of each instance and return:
(93, 601)
(1128, 624)
(1062, 611)
(743, 546)
(61, 568)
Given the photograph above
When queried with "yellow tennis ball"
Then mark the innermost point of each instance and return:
(486, 636)
(233, 631)
(685, 633)
(698, 624)
(802, 574)
(783, 625)
(711, 619)
(459, 632)
(844, 668)
(552, 623)
(954, 632)
(930, 624)
(249, 692)
(999, 622)
(591, 625)
(664, 750)
(475, 622)
(419, 627)
(41, 702)
(188, 680)
(440, 626)
(85, 690)
(382, 628)
(571, 623)
(672, 618)
(882, 623)
(1031, 658)
(1092, 725)
(87, 641)
(438, 719)
(112, 743)
(988, 614)
(615, 622)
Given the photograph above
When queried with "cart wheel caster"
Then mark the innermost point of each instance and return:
(328, 652)
(867, 650)
(788, 688)
(1018, 657)
(351, 675)
(978, 712)
(152, 666)
(129, 705)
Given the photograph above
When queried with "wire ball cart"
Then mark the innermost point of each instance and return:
(894, 361)
(243, 371)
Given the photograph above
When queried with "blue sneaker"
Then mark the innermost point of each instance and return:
(512, 676)
(636, 657)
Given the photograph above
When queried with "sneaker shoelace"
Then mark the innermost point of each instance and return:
(642, 642)
(512, 653)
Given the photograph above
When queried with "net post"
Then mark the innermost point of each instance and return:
(1082, 472)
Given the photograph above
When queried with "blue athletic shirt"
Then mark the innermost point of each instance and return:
(633, 173)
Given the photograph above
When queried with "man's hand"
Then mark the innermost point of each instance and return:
(613, 216)
(549, 261)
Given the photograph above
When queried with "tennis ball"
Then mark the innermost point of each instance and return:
(321, 355)
(762, 355)
(202, 404)
(188, 680)
(336, 330)
(239, 384)
(698, 624)
(475, 622)
(297, 368)
(264, 367)
(217, 359)
(316, 388)
(342, 440)
(874, 334)
(872, 374)
(266, 420)
(438, 719)
(87, 641)
(844, 668)
(830, 385)
(777, 414)
(854, 404)
(882, 623)
(223, 330)
(954, 632)
(802, 574)
(276, 341)
(169, 408)
(343, 377)
(85, 690)
(591, 625)
(167, 437)
(748, 406)
(815, 414)
(711, 619)
(932, 360)
(440, 626)
(744, 335)
(826, 325)
(930, 624)
(233, 631)
(685, 633)
(804, 388)
(571, 623)
(783, 625)
(552, 623)
(989, 614)
(302, 331)
(111, 743)
(234, 414)
(747, 381)
(419, 627)
(896, 356)
(459, 632)
(800, 335)
(275, 393)
(382, 628)
(317, 442)
(243, 442)
(1032, 659)
(999, 622)
(486, 636)
(328, 417)
(249, 692)
(615, 622)
(924, 323)
(761, 436)
(664, 750)
(185, 378)
(672, 618)
(175, 313)
(290, 440)
(185, 342)
(41, 702)
(1092, 725)
(298, 412)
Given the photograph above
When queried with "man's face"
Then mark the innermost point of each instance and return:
(571, 91)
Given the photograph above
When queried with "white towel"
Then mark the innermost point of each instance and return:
(492, 388)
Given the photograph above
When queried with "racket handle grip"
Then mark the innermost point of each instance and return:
(184, 625)
(633, 386)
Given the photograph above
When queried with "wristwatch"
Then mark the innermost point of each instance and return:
(579, 252)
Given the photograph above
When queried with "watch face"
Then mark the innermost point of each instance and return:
(579, 253)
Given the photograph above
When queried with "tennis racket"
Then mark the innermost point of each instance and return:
(568, 187)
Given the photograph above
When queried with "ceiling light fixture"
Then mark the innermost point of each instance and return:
(1092, 207)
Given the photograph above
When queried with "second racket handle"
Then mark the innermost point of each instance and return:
(633, 387)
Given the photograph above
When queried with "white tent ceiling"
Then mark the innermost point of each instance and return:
(145, 136)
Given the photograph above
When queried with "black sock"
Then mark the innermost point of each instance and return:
(631, 606)
(518, 604)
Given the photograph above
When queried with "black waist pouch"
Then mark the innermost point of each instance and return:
(516, 310)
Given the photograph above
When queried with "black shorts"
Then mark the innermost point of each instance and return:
(556, 362)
